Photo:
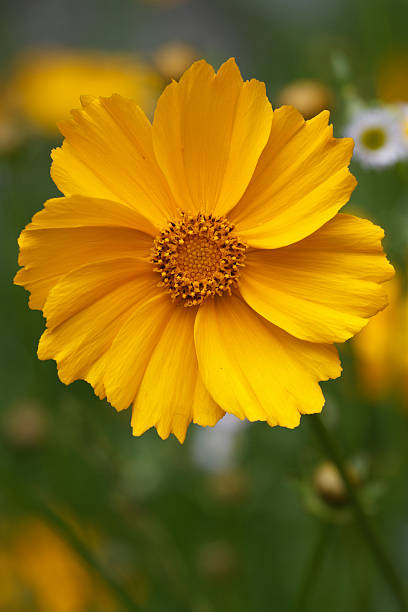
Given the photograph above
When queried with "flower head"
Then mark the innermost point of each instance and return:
(378, 137)
(309, 97)
(65, 75)
(198, 265)
(173, 58)
(392, 83)
(36, 561)
(381, 348)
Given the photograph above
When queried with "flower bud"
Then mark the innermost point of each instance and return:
(24, 425)
(329, 484)
(393, 78)
(216, 559)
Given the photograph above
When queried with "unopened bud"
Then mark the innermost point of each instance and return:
(25, 425)
(329, 483)
(216, 559)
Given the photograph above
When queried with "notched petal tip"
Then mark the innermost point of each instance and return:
(348, 141)
(324, 115)
(178, 433)
(229, 69)
(199, 68)
(235, 350)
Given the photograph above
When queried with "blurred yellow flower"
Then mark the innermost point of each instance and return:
(198, 265)
(393, 78)
(47, 84)
(37, 566)
(309, 97)
(172, 59)
(381, 348)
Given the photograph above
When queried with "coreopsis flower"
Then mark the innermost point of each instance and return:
(66, 74)
(379, 139)
(35, 562)
(381, 348)
(173, 58)
(199, 265)
(392, 85)
(308, 96)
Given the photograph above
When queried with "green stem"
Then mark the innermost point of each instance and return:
(313, 568)
(374, 543)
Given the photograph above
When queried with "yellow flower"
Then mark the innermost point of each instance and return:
(198, 265)
(309, 97)
(381, 348)
(172, 59)
(392, 83)
(47, 84)
(38, 563)
(38, 567)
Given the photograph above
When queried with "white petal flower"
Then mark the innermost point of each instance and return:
(378, 137)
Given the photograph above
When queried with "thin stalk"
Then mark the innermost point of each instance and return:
(313, 568)
(390, 575)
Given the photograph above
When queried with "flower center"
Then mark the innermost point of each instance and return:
(197, 257)
(374, 138)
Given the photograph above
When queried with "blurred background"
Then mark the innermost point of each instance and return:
(241, 517)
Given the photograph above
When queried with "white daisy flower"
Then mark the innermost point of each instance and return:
(214, 449)
(379, 140)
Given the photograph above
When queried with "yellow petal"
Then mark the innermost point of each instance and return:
(63, 237)
(209, 131)
(80, 211)
(90, 283)
(131, 351)
(108, 154)
(325, 287)
(254, 369)
(82, 330)
(171, 393)
(301, 181)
